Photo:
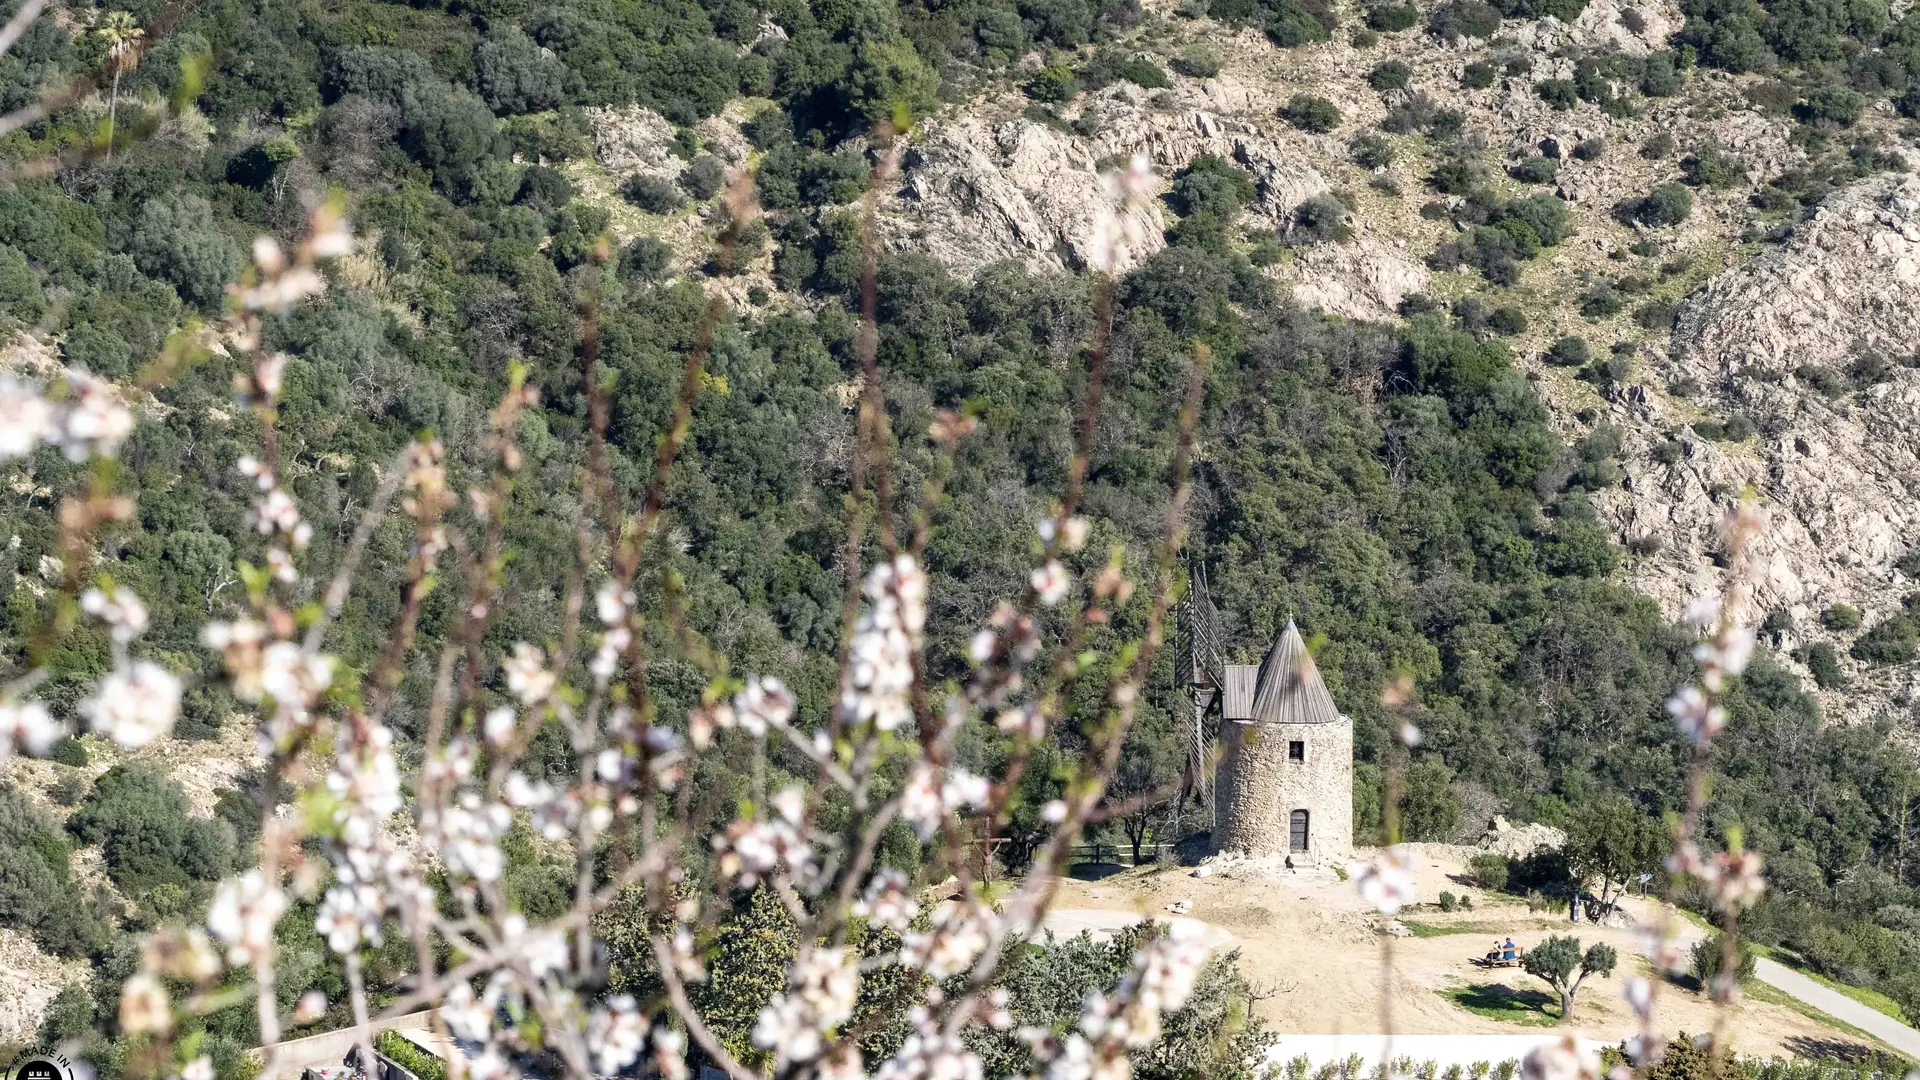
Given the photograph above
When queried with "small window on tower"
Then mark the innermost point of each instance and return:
(1296, 751)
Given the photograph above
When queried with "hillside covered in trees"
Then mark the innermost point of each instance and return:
(1398, 485)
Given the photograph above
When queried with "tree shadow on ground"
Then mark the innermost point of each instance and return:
(1501, 1002)
(1806, 1046)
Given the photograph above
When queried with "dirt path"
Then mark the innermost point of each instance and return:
(1313, 950)
(1839, 1006)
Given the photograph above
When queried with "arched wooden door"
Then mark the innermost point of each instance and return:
(1297, 824)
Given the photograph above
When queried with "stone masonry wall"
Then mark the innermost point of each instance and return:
(1258, 788)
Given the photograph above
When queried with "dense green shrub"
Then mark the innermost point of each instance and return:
(1559, 93)
(402, 1052)
(1508, 321)
(1568, 351)
(1054, 83)
(1709, 166)
(1893, 640)
(1840, 617)
(1108, 68)
(70, 751)
(1211, 185)
(703, 178)
(653, 194)
(514, 75)
(176, 239)
(1197, 61)
(1371, 151)
(1452, 20)
(1666, 204)
(36, 894)
(150, 841)
(1389, 18)
(1478, 75)
(1535, 170)
(1310, 113)
(1823, 661)
(1389, 75)
(1828, 105)
(1489, 871)
(1320, 220)
(1707, 960)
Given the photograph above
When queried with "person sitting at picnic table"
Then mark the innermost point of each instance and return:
(1493, 954)
(1506, 951)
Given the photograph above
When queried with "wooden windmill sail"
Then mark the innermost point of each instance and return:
(1200, 668)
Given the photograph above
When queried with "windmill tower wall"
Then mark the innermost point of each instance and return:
(1284, 785)
(1258, 787)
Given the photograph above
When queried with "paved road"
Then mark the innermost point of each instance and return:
(1839, 1006)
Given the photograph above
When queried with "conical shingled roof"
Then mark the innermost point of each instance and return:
(1289, 690)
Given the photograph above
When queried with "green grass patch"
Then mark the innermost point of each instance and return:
(1528, 1008)
(1428, 930)
(1872, 999)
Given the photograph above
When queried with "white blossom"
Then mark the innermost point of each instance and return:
(1699, 718)
(28, 725)
(144, 1005)
(468, 837)
(617, 1033)
(498, 725)
(527, 676)
(350, 915)
(818, 1000)
(612, 603)
(670, 1053)
(1050, 582)
(952, 945)
(200, 1068)
(888, 901)
(1703, 612)
(543, 950)
(470, 1016)
(1073, 536)
(930, 1056)
(765, 703)
(311, 1006)
(927, 800)
(96, 422)
(26, 418)
(243, 914)
(880, 656)
(134, 704)
(121, 611)
(1638, 993)
(1561, 1059)
(1386, 881)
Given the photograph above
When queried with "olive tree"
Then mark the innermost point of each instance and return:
(1559, 961)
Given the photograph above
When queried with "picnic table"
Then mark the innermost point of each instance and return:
(1499, 957)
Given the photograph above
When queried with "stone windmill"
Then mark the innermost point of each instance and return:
(1284, 783)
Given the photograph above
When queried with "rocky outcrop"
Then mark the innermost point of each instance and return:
(633, 140)
(1839, 470)
(989, 183)
(1519, 841)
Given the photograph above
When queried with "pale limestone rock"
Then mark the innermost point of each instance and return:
(630, 140)
(1839, 475)
(985, 183)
